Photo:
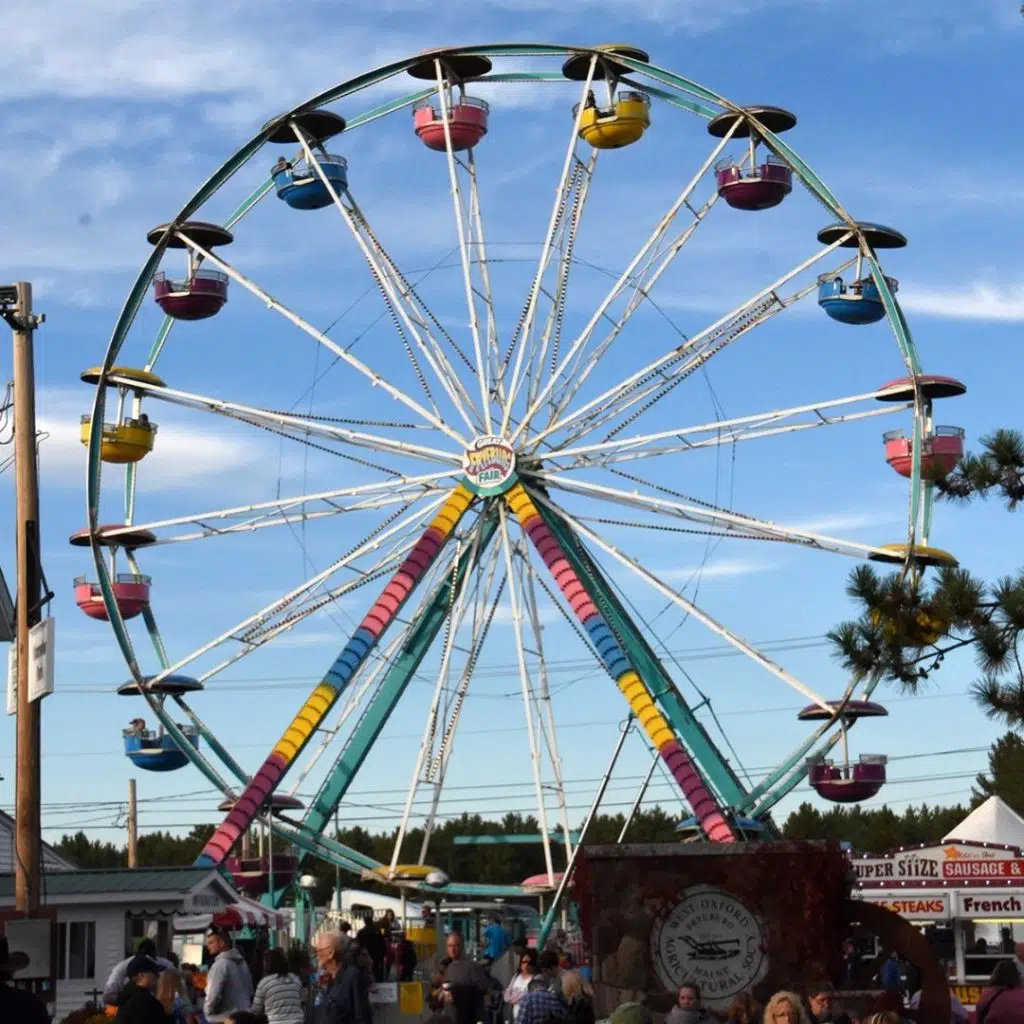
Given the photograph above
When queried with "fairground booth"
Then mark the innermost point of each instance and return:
(965, 892)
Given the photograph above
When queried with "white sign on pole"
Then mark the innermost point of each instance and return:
(12, 679)
(40, 665)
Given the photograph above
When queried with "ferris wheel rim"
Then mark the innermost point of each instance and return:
(251, 149)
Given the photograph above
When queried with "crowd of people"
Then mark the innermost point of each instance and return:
(546, 987)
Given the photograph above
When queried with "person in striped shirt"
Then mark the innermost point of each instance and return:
(279, 994)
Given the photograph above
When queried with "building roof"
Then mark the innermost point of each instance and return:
(52, 861)
(994, 821)
(120, 881)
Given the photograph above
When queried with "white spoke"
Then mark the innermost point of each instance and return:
(465, 255)
(342, 353)
(741, 428)
(380, 264)
(524, 676)
(484, 290)
(546, 713)
(371, 543)
(736, 320)
(289, 423)
(552, 335)
(688, 606)
(456, 614)
(648, 251)
(561, 194)
(747, 526)
(387, 492)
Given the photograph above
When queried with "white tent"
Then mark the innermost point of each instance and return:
(994, 821)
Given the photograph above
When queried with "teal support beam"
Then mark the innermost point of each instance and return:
(404, 667)
(691, 733)
(522, 839)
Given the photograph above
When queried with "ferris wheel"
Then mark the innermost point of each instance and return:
(500, 456)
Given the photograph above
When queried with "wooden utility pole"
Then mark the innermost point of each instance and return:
(27, 890)
(133, 826)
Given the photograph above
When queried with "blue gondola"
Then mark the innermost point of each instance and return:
(302, 188)
(156, 751)
(858, 303)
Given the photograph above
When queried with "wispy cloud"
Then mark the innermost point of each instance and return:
(546, 612)
(977, 301)
(844, 522)
(724, 568)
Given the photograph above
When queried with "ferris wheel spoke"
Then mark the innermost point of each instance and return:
(367, 496)
(727, 432)
(434, 749)
(438, 769)
(687, 606)
(526, 684)
(482, 287)
(326, 693)
(372, 542)
(748, 527)
(654, 257)
(524, 330)
(546, 713)
(447, 580)
(297, 427)
(551, 337)
(699, 348)
(465, 231)
(369, 675)
(407, 309)
(376, 379)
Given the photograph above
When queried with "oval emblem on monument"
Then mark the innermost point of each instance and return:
(489, 464)
(711, 938)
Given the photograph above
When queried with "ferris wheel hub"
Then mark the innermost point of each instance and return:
(489, 465)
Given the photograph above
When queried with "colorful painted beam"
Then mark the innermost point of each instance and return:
(698, 795)
(327, 692)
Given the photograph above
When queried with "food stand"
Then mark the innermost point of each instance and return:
(965, 894)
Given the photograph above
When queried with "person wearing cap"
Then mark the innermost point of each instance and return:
(115, 983)
(228, 982)
(15, 1003)
(140, 1005)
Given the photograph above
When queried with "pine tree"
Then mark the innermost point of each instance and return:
(908, 622)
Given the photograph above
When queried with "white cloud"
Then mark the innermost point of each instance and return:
(843, 522)
(977, 301)
(183, 457)
(725, 568)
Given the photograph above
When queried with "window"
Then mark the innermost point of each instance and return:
(76, 950)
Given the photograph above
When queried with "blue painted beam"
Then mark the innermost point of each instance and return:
(514, 839)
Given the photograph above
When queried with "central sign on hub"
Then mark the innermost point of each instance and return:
(489, 464)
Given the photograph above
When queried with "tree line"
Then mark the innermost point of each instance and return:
(867, 830)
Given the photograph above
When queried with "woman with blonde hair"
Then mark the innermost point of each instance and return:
(170, 991)
(578, 996)
(785, 1008)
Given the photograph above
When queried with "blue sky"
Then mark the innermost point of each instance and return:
(113, 117)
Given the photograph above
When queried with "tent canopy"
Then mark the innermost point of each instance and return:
(245, 913)
(994, 821)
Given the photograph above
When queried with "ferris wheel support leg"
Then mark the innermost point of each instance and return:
(619, 666)
(403, 668)
(648, 665)
(327, 692)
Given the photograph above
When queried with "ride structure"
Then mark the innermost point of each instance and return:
(487, 470)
